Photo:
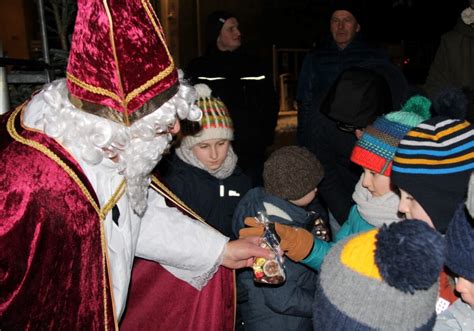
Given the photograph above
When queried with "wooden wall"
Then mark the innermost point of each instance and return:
(17, 20)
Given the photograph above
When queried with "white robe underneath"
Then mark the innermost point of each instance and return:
(189, 249)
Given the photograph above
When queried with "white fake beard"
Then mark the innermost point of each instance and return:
(136, 163)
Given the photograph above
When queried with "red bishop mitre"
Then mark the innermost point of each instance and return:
(119, 65)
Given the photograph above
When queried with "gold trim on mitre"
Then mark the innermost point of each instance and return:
(151, 105)
(111, 114)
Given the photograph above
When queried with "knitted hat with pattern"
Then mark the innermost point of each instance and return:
(433, 163)
(460, 242)
(291, 172)
(383, 279)
(215, 122)
(377, 146)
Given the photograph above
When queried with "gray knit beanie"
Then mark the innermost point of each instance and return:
(382, 279)
(291, 172)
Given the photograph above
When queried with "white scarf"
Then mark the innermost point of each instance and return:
(224, 171)
(376, 210)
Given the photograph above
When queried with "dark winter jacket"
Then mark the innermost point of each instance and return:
(211, 198)
(320, 69)
(283, 307)
(453, 65)
(320, 134)
(241, 82)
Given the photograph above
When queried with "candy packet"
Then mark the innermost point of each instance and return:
(270, 271)
(319, 227)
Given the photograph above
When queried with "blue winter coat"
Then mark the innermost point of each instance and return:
(283, 307)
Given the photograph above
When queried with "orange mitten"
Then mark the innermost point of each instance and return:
(295, 242)
(254, 228)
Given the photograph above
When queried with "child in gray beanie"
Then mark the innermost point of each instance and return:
(382, 279)
(291, 176)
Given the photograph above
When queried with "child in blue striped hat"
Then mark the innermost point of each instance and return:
(431, 168)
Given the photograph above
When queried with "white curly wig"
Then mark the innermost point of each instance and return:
(137, 149)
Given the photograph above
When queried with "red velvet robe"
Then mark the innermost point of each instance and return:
(159, 301)
(53, 255)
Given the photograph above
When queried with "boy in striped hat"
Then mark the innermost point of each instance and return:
(431, 168)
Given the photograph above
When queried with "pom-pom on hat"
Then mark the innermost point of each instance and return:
(291, 172)
(119, 65)
(376, 148)
(460, 243)
(215, 122)
(433, 163)
(383, 279)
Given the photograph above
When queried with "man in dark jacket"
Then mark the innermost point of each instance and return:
(453, 65)
(320, 69)
(241, 82)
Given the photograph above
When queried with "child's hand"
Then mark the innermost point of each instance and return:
(254, 228)
(296, 242)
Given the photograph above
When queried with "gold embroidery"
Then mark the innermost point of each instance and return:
(12, 131)
(149, 83)
(93, 89)
(158, 29)
(133, 94)
(163, 190)
(114, 198)
(162, 74)
(105, 256)
(101, 213)
(117, 71)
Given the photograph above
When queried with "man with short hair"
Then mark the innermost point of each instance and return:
(320, 69)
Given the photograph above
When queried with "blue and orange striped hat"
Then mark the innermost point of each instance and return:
(433, 163)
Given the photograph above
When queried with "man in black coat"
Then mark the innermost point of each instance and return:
(243, 84)
(320, 133)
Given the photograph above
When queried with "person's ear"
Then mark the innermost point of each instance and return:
(358, 133)
(358, 27)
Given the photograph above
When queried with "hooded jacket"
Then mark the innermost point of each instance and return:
(283, 307)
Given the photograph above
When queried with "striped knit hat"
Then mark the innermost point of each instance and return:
(383, 279)
(377, 146)
(433, 163)
(215, 122)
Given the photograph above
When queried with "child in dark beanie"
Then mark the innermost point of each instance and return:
(432, 166)
(460, 260)
(291, 176)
